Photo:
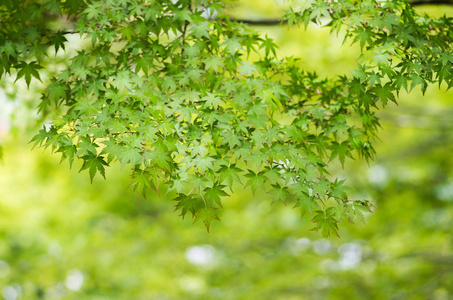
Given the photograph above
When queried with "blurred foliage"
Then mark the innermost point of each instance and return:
(64, 238)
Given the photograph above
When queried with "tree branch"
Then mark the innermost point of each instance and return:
(272, 22)
(432, 2)
(269, 22)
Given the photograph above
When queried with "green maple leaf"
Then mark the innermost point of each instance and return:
(341, 150)
(56, 91)
(375, 78)
(391, 19)
(401, 81)
(272, 174)
(203, 163)
(281, 193)
(86, 146)
(127, 32)
(269, 46)
(319, 10)
(143, 63)
(201, 30)
(177, 185)
(320, 188)
(306, 203)
(213, 62)
(256, 180)
(339, 126)
(198, 150)
(232, 139)
(169, 83)
(246, 68)
(183, 15)
(191, 95)
(69, 153)
(58, 40)
(95, 164)
(131, 155)
(213, 194)
(166, 128)
(93, 10)
(207, 214)
(356, 209)
(417, 80)
(161, 159)
(188, 203)
(27, 71)
(385, 93)
(212, 100)
(8, 49)
(364, 36)
(230, 174)
(339, 189)
(381, 57)
(326, 222)
(232, 45)
(141, 181)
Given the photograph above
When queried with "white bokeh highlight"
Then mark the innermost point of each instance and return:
(204, 255)
(350, 256)
(74, 280)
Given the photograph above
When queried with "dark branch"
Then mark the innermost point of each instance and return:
(433, 2)
(269, 22)
(272, 22)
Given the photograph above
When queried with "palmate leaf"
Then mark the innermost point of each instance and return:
(188, 203)
(230, 174)
(341, 150)
(381, 58)
(256, 180)
(131, 156)
(269, 46)
(355, 209)
(212, 194)
(56, 91)
(94, 164)
(385, 93)
(58, 40)
(27, 71)
(68, 152)
(306, 203)
(326, 222)
(206, 214)
(174, 95)
(213, 62)
(247, 69)
(146, 180)
(141, 183)
(280, 194)
(143, 63)
(212, 100)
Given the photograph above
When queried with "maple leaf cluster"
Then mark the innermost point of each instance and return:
(194, 105)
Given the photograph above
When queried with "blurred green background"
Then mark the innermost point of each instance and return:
(64, 238)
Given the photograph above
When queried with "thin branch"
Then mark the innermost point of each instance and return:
(269, 22)
(186, 24)
(433, 2)
(273, 22)
(319, 197)
(70, 32)
(346, 200)
(367, 203)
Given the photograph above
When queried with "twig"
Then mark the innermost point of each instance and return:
(434, 2)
